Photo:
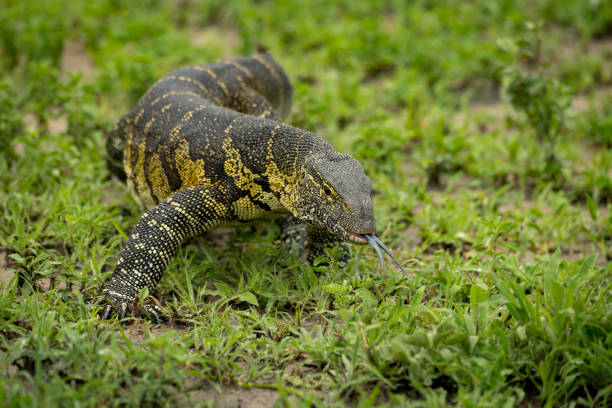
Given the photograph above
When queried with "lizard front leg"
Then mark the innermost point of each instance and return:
(156, 239)
(320, 239)
(309, 242)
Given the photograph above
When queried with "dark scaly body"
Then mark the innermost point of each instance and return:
(205, 147)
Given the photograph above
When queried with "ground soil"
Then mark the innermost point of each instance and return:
(6, 274)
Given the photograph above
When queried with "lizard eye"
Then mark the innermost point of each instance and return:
(327, 190)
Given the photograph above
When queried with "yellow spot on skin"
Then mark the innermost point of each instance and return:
(211, 73)
(244, 179)
(271, 200)
(281, 184)
(180, 209)
(158, 179)
(270, 69)
(127, 154)
(246, 209)
(240, 67)
(176, 131)
(132, 173)
(186, 79)
(148, 124)
(234, 167)
(220, 83)
(138, 116)
(191, 172)
(142, 189)
(173, 93)
(187, 116)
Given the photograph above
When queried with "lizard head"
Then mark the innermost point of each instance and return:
(334, 192)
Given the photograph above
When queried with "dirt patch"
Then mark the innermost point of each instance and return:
(215, 35)
(233, 396)
(603, 47)
(411, 237)
(601, 95)
(218, 238)
(313, 321)
(316, 322)
(587, 152)
(484, 117)
(113, 195)
(136, 332)
(6, 274)
(76, 58)
(573, 50)
(580, 250)
(31, 123)
(58, 124)
(51, 282)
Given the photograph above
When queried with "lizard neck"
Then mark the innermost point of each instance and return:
(285, 165)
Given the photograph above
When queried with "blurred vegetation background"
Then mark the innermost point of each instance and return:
(486, 127)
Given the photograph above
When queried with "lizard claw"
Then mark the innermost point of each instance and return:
(107, 311)
(154, 311)
(123, 310)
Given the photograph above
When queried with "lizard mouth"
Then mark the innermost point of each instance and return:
(355, 237)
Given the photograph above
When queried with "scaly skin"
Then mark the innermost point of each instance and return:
(205, 147)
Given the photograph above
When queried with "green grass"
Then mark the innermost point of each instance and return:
(492, 191)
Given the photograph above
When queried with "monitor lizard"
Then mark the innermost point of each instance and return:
(205, 146)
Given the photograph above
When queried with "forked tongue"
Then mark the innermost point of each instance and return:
(378, 245)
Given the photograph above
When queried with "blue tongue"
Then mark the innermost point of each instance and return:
(378, 245)
(372, 240)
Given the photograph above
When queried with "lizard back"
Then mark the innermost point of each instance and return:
(201, 125)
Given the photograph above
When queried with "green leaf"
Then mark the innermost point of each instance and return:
(592, 206)
(335, 289)
(477, 295)
(585, 273)
(18, 259)
(249, 298)
(552, 292)
(483, 316)
(120, 230)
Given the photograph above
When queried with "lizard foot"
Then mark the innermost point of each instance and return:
(151, 311)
